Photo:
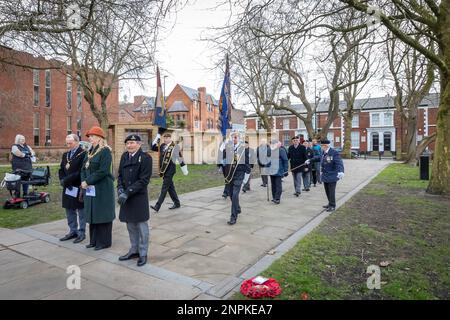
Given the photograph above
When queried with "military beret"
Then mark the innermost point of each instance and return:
(133, 137)
(325, 141)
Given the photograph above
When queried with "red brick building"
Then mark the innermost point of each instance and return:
(191, 109)
(43, 104)
(376, 126)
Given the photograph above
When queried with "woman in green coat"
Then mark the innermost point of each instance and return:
(97, 182)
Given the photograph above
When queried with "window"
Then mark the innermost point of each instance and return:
(36, 128)
(388, 119)
(36, 87)
(375, 119)
(196, 104)
(196, 123)
(69, 92)
(79, 97)
(287, 139)
(285, 124)
(69, 125)
(79, 127)
(301, 124)
(178, 117)
(48, 82)
(48, 140)
(355, 121)
(184, 117)
(355, 139)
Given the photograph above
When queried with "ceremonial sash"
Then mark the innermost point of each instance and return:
(234, 166)
(167, 158)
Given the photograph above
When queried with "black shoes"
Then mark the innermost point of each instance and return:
(90, 245)
(79, 239)
(142, 261)
(297, 194)
(264, 185)
(156, 208)
(276, 201)
(174, 206)
(129, 256)
(231, 222)
(101, 247)
(326, 207)
(68, 237)
(330, 209)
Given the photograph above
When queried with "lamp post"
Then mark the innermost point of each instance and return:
(315, 106)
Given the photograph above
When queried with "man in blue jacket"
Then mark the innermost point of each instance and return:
(332, 171)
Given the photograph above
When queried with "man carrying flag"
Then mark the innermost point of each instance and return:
(234, 160)
(169, 152)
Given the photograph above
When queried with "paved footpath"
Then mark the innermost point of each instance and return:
(193, 253)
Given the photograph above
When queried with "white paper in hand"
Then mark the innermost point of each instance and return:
(90, 191)
(73, 192)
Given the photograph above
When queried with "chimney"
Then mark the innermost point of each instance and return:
(138, 100)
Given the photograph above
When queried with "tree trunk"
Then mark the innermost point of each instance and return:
(440, 174)
(411, 137)
(346, 153)
(309, 127)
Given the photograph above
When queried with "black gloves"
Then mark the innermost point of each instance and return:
(286, 174)
(122, 198)
(61, 182)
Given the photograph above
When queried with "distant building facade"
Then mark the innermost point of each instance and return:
(376, 125)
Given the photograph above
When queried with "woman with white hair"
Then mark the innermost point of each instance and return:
(22, 156)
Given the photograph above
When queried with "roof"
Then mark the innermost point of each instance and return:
(193, 94)
(148, 102)
(387, 102)
(178, 106)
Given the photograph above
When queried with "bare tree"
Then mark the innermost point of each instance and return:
(120, 45)
(413, 76)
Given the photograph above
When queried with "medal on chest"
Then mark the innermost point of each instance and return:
(67, 166)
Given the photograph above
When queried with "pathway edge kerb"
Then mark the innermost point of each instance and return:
(290, 242)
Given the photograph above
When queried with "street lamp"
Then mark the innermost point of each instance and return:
(315, 106)
(164, 93)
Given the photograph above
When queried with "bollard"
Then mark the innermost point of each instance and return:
(424, 165)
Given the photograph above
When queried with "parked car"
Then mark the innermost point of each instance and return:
(355, 152)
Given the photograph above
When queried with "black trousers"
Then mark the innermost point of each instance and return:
(100, 234)
(226, 188)
(235, 189)
(314, 176)
(276, 187)
(330, 190)
(168, 186)
(265, 179)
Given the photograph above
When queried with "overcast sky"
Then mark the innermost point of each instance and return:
(183, 58)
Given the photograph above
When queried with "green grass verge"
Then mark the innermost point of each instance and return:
(199, 177)
(392, 219)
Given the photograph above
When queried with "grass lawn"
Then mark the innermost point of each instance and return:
(391, 220)
(199, 177)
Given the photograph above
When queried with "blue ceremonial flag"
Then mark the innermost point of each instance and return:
(160, 108)
(225, 105)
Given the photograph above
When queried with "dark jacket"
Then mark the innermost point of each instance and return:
(228, 157)
(101, 208)
(251, 157)
(331, 165)
(71, 177)
(171, 169)
(297, 157)
(281, 167)
(133, 179)
(22, 163)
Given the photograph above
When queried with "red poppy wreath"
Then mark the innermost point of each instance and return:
(270, 289)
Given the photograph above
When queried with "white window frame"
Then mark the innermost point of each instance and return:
(385, 118)
(379, 119)
(355, 121)
(353, 139)
(286, 124)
